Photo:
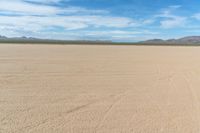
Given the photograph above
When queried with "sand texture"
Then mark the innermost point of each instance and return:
(99, 89)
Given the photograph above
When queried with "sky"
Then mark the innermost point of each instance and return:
(113, 20)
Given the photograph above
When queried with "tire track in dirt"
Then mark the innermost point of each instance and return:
(20, 111)
(194, 96)
(44, 121)
(107, 112)
(69, 112)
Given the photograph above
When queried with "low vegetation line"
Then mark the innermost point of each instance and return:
(93, 43)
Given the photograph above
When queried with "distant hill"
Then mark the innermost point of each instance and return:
(24, 39)
(185, 41)
(193, 40)
(3, 37)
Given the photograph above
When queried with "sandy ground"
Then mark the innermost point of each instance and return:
(99, 89)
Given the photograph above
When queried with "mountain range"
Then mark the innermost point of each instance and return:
(189, 40)
(184, 40)
(24, 39)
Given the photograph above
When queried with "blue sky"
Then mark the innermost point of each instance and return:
(116, 20)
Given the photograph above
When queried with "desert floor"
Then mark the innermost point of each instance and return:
(99, 89)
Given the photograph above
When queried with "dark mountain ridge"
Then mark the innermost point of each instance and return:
(184, 40)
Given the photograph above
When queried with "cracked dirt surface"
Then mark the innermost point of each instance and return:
(99, 89)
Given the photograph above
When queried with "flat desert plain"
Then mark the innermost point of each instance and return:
(99, 89)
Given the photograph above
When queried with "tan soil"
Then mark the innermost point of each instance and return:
(99, 89)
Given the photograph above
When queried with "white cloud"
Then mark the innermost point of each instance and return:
(44, 1)
(169, 20)
(115, 35)
(173, 7)
(41, 20)
(24, 18)
(173, 22)
(19, 7)
(148, 21)
(37, 17)
(26, 8)
(196, 16)
(36, 23)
